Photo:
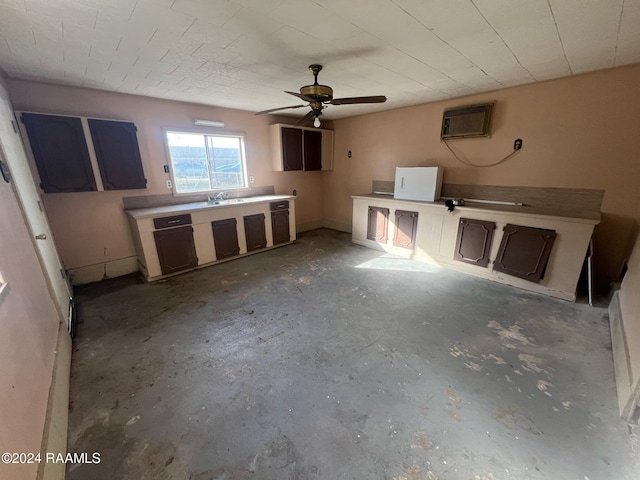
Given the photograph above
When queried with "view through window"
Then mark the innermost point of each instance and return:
(203, 162)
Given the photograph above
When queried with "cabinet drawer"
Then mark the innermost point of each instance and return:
(173, 221)
(282, 205)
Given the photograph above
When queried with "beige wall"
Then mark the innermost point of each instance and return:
(579, 132)
(90, 227)
(28, 335)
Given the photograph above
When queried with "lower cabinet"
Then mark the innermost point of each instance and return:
(255, 232)
(524, 252)
(280, 226)
(378, 224)
(225, 238)
(474, 241)
(406, 227)
(176, 249)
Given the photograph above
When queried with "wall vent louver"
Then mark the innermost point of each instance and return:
(469, 121)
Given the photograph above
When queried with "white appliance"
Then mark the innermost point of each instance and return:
(418, 183)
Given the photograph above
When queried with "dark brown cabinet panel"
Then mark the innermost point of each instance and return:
(118, 154)
(474, 241)
(280, 226)
(255, 232)
(406, 226)
(225, 238)
(172, 221)
(176, 249)
(378, 224)
(312, 150)
(292, 148)
(524, 252)
(60, 151)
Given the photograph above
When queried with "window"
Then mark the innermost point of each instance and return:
(202, 162)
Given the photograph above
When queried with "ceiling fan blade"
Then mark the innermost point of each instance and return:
(305, 119)
(351, 100)
(279, 108)
(299, 95)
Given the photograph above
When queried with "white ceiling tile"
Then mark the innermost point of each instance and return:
(536, 45)
(212, 53)
(628, 46)
(214, 12)
(262, 7)
(588, 31)
(63, 10)
(245, 53)
(207, 33)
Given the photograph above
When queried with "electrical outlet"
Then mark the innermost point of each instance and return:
(169, 185)
(251, 179)
(517, 144)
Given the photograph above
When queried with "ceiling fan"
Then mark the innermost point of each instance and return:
(319, 96)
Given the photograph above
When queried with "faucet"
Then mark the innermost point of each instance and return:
(222, 196)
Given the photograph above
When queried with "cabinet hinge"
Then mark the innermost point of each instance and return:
(15, 127)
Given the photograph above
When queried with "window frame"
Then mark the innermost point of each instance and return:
(206, 132)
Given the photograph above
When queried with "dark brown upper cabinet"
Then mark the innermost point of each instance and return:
(406, 227)
(524, 252)
(292, 149)
(60, 152)
(474, 241)
(312, 149)
(118, 154)
(378, 224)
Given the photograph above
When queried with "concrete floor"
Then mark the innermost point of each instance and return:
(326, 360)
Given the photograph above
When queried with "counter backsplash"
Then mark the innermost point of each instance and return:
(568, 201)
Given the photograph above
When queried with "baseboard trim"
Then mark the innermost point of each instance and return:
(54, 437)
(103, 271)
(306, 227)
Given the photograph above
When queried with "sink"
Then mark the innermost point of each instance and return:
(226, 201)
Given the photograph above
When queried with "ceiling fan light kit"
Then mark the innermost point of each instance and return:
(318, 96)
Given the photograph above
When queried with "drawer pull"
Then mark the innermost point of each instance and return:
(173, 221)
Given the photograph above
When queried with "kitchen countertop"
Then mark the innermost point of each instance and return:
(138, 213)
(558, 213)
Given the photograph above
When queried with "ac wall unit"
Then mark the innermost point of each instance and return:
(470, 121)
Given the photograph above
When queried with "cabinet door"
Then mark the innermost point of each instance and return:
(225, 238)
(255, 232)
(406, 226)
(378, 224)
(524, 252)
(60, 151)
(176, 249)
(280, 226)
(291, 148)
(312, 150)
(474, 241)
(118, 154)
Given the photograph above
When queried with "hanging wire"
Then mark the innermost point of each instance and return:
(475, 165)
